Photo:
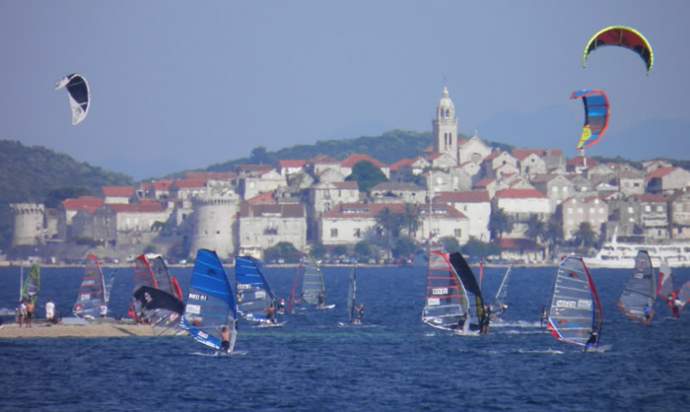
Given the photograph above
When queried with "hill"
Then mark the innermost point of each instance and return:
(388, 148)
(38, 174)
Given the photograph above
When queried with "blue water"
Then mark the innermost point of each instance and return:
(393, 363)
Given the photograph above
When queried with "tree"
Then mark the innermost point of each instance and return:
(55, 197)
(553, 233)
(318, 251)
(535, 228)
(403, 247)
(340, 250)
(585, 236)
(261, 156)
(150, 249)
(366, 175)
(410, 219)
(390, 223)
(477, 248)
(499, 223)
(450, 244)
(283, 250)
(363, 249)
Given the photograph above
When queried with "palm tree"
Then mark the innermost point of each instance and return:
(535, 228)
(499, 223)
(410, 219)
(585, 236)
(553, 233)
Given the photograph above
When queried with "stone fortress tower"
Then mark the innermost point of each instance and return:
(445, 127)
(28, 224)
(215, 220)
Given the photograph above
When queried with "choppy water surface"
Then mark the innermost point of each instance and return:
(393, 363)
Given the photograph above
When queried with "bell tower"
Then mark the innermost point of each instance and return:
(445, 127)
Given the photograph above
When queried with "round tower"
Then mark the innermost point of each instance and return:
(445, 127)
(28, 224)
(215, 221)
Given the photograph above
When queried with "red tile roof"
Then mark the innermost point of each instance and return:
(521, 154)
(579, 162)
(402, 163)
(263, 198)
(371, 210)
(484, 182)
(291, 163)
(189, 183)
(87, 204)
(211, 175)
(145, 206)
(478, 196)
(660, 172)
(283, 210)
(346, 185)
(118, 191)
(323, 159)
(650, 198)
(520, 194)
(355, 158)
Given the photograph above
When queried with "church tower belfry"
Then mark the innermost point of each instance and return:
(445, 127)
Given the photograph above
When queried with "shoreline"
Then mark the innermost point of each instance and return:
(44, 330)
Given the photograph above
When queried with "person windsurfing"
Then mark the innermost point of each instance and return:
(271, 313)
(225, 336)
(593, 341)
(544, 315)
(359, 314)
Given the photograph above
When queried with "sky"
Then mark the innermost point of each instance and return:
(182, 85)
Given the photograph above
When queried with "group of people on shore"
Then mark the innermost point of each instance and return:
(26, 312)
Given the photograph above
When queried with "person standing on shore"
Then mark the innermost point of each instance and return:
(21, 313)
(50, 312)
(29, 313)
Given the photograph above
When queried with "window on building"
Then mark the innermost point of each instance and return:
(630, 209)
(334, 233)
(271, 231)
(218, 232)
(647, 208)
(458, 232)
(570, 210)
(580, 211)
(358, 233)
(660, 208)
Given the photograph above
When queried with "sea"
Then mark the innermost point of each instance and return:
(391, 363)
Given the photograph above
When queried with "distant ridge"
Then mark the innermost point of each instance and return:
(389, 147)
(38, 174)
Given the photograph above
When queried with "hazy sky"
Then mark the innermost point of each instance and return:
(180, 85)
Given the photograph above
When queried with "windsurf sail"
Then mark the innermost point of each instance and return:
(639, 294)
(211, 302)
(446, 306)
(684, 294)
(143, 276)
(92, 300)
(294, 299)
(575, 310)
(153, 300)
(151, 272)
(31, 285)
(665, 286)
(313, 285)
(352, 294)
(501, 299)
(464, 272)
(254, 295)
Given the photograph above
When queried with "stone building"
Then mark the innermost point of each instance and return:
(397, 192)
(475, 205)
(28, 224)
(445, 127)
(117, 195)
(215, 221)
(576, 211)
(667, 179)
(520, 205)
(680, 215)
(653, 216)
(262, 226)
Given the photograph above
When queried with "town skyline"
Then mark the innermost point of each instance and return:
(310, 77)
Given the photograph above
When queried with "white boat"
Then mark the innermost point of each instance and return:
(619, 255)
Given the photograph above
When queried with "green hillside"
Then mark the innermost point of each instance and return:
(34, 173)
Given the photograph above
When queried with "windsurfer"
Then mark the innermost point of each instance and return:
(321, 300)
(544, 315)
(271, 313)
(647, 311)
(592, 341)
(674, 304)
(103, 310)
(281, 306)
(359, 314)
(225, 336)
(484, 322)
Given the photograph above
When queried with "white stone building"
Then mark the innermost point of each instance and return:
(325, 196)
(476, 206)
(667, 179)
(252, 184)
(28, 224)
(445, 221)
(445, 127)
(473, 150)
(215, 221)
(520, 204)
(262, 226)
(392, 192)
(577, 210)
(117, 195)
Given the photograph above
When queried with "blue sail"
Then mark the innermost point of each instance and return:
(211, 302)
(254, 295)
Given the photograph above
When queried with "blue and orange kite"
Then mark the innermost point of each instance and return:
(596, 116)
